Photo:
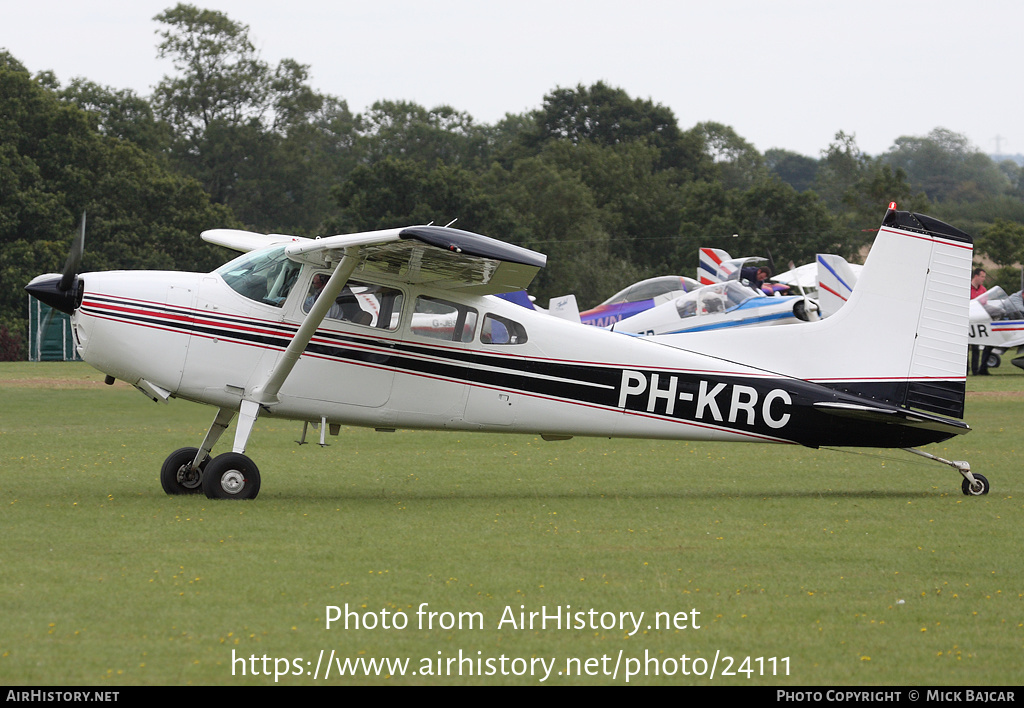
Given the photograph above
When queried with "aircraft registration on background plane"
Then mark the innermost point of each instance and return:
(399, 329)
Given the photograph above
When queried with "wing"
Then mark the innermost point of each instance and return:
(246, 241)
(804, 276)
(437, 256)
(441, 257)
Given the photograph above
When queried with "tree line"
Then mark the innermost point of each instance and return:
(608, 185)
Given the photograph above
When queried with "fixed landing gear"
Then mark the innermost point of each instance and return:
(979, 487)
(231, 475)
(179, 476)
(974, 485)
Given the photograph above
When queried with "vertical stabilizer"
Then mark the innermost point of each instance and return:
(900, 339)
(836, 280)
(711, 264)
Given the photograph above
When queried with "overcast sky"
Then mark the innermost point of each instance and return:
(782, 73)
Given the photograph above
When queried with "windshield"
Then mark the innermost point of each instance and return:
(1001, 306)
(265, 276)
(712, 299)
(651, 288)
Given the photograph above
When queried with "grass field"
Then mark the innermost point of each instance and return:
(823, 567)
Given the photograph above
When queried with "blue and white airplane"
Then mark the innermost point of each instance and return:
(725, 305)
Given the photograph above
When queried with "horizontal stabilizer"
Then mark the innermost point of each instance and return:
(895, 416)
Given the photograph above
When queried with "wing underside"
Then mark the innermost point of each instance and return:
(437, 256)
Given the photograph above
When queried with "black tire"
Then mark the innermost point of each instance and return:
(177, 475)
(966, 486)
(993, 361)
(231, 475)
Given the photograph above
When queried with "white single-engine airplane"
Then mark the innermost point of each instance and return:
(398, 329)
(997, 323)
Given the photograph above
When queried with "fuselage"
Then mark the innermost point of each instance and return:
(719, 306)
(995, 321)
(436, 359)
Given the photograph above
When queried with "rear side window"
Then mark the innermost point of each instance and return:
(441, 319)
(501, 330)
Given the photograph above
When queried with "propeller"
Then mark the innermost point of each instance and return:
(810, 309)
(62, 292)
(74, 261)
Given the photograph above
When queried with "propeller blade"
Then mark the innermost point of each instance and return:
(74, 260)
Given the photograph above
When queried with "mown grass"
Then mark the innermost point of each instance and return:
(861, 568)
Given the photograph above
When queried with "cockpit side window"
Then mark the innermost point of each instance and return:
(263, 276)
(360, 303)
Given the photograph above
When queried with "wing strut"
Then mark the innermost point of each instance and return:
(265, 394)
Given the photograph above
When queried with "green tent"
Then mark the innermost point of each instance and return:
(56, 342)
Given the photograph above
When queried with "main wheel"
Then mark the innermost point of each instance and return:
(178, 476)
(993, 361)
(979, 489)
(231, 475)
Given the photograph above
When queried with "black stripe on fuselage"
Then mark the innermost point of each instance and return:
(767, 408)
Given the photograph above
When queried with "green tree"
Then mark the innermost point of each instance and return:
(221, 77)
(857, 189)
(792, 168)
(259, 139)
(55, 164)
(1003, 242)
(608, 116)
(408, 131)
(640, 206)
(879, 186)
(120, 114)
(392, 193)
(551, 210)
(841, 167)
(738, 163)
(946, 167)
(772, 216)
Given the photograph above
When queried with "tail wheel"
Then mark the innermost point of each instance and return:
(231, 475)
(178, 476)
(980, 486)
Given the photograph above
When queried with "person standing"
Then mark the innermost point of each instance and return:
(978, 282)
(979, 368)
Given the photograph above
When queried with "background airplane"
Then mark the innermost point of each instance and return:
(718, 306)
(997, 322)
(638, 297)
